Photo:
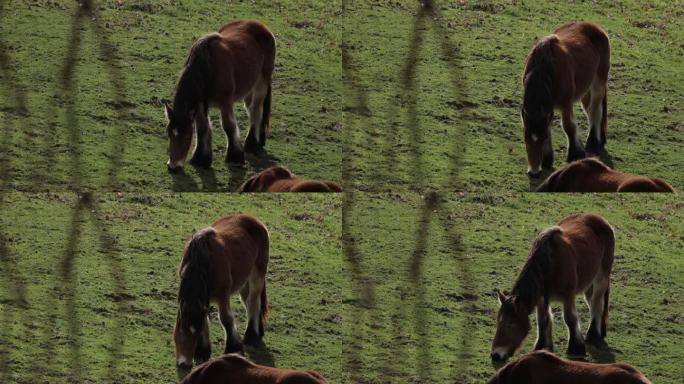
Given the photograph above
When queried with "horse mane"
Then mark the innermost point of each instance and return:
(195, 279)
(538, 76)
(531, 282)
(193, 84)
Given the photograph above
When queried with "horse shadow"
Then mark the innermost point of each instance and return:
(182, 182)
(535, 182)
(602, 353)
(606, 158)
(260, 354)
(257, 162)
(183, 371)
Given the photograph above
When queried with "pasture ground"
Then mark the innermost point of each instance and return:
(433, 316)
(461, 108)
(151, 39)
(304, 284)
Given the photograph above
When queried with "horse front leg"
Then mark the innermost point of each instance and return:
(575, 340)
(203, 349)
(233, 343)
(544, 328)
(596, 300)
(234, 152)
(255, 110)
(595, 113)
(202, 156)
(575, 150)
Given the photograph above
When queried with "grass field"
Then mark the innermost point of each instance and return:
(150, 39)
(432, 319)
(304, 285)
(456, 119)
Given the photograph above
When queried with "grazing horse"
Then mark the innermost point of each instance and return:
(570, 65)
(574, 257)
(543, 367)
(230, 256)
(222, 68)
(280, 179)
(235, 369)
(591, 175)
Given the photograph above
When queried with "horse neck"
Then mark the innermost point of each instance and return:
(539, 76)
(531, 283)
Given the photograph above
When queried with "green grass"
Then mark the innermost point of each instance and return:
(304, 284)
(433, 321)
(466, 117)
(151, 39)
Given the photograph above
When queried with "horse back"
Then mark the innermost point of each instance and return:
(644, 184)
(581, 55)
(241, 246)
(586, 249)
(244, 54)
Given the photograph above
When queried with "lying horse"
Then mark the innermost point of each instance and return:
(230, 256)
(235, 369)
(542, 367)
(570, 65)
(576, 256)
(591, 175)
(280, 179)
(222, 68)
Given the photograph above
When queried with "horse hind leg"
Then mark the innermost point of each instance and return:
(251, 296)
(575, 150)
(233, 343)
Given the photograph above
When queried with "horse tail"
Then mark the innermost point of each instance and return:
(266, 116)
(604, 118)
(608, 258)
(195, 276)
(264, 255)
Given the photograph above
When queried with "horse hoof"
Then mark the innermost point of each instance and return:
(253, 146)
(577, 351)
(201, 161)
(251, 338)
(235, 348)
(235, 157)
(174, 169)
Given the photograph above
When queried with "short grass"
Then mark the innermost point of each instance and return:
(150, 40)
(38, 343)
(464, 130)
(432, 274)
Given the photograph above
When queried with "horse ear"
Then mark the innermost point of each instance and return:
(168, 111)
(500, 296)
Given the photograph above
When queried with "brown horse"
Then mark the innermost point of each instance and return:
(570, 65)
(280, 179)
(235, 369)
(222, 68)
(591, 175)
(574, 257)
(230, 256)
(543, 367)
